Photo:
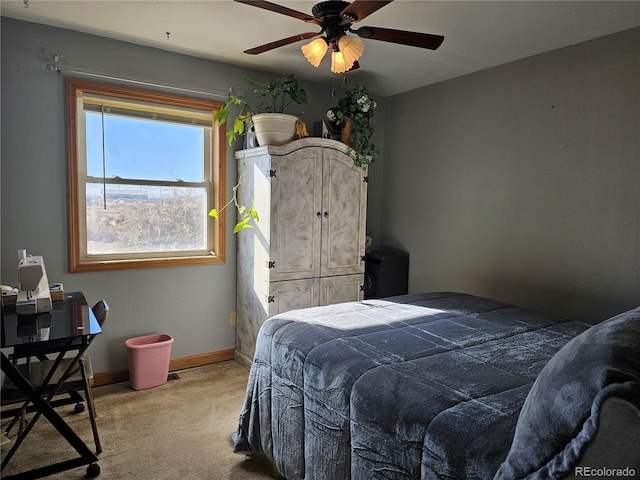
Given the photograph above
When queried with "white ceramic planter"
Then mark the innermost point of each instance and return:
(274, 128)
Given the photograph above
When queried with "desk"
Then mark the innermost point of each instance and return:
(69, 327)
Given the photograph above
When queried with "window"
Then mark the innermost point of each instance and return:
(145, 168)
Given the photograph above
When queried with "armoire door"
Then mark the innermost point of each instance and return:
(344, 215)
(296, 198)
(341, 288)
(292, 295)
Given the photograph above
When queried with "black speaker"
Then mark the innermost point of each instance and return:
(386, 273)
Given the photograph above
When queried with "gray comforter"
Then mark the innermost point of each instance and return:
(422, 386)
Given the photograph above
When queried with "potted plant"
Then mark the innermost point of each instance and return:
(272, 126)
(353, 115)
(266, 109)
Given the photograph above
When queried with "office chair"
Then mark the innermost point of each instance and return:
(79, 378)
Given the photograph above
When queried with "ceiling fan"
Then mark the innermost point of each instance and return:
(336, 19)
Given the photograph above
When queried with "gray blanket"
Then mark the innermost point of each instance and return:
(561, 415)
(425, 386)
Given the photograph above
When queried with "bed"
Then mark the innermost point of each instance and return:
(435, 386)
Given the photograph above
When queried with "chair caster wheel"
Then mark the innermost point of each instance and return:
(93, 470)
(79, 408)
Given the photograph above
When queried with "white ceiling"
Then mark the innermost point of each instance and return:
(478, 34)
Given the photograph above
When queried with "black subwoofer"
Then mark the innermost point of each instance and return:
(386, 273)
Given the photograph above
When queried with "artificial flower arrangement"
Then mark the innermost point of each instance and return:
(354, 113)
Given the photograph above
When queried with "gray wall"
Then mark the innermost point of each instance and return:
(522, 182)
(190, 303)
(519, 182)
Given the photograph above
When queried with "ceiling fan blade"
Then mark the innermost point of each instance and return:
(422, 40)
(360, 9)
(280, 9)
(281, 43)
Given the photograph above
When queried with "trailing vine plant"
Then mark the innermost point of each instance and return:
(247, 216)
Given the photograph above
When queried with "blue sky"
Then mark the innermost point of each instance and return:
(144, 150)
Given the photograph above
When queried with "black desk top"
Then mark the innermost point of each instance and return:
(70, 321)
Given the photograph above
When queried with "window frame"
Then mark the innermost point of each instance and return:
(81, 262)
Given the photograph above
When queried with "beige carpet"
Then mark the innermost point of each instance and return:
(180, 430)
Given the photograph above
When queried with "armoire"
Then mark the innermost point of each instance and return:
(308, 248)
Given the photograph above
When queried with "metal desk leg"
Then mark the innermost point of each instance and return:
(87, 457)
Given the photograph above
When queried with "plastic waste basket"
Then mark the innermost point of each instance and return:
(149, 358)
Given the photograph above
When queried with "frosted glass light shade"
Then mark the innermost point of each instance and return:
(314, 51)
(351, 48)
(338, 65)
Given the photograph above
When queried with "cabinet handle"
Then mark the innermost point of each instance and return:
(319, 214)
(326, 214)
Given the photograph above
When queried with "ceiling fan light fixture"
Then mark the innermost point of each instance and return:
(338, 65)
(336, 18)
(315, 51)
(351, 48)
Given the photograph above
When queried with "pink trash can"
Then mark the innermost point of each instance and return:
(149, 358)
